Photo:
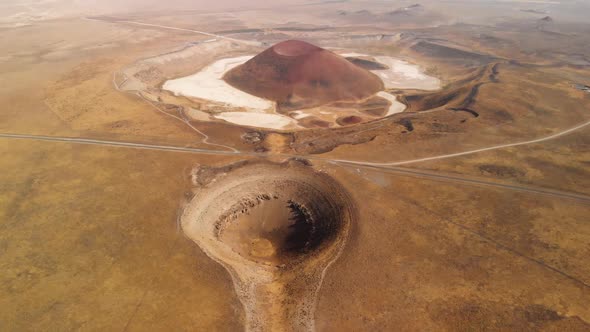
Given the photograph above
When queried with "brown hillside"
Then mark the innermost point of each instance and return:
(297, 74)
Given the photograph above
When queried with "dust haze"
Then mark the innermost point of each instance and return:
(295, 165)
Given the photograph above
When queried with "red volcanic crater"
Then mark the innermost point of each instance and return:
(297, 74)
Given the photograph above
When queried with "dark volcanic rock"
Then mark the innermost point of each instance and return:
(349, 120)
(367, 64)
(547, 19)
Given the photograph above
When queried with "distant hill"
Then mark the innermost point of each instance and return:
(547, 19)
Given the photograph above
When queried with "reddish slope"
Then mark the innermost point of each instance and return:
(297, 74)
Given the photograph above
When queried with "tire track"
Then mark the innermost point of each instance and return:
(384, 168)
(206, 137)
(241, 41)
(464, 153)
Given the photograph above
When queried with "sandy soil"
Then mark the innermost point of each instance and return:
(90, 238)
(198, 115)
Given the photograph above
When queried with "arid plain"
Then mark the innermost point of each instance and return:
(453, 197)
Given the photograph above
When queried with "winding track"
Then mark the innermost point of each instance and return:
(352, 162)
(205, 139)
(469, 180)
(246, 42)
(388, 167)
(451, 155)
(91, 141)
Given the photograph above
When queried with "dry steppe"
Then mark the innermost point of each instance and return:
(126, 207)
